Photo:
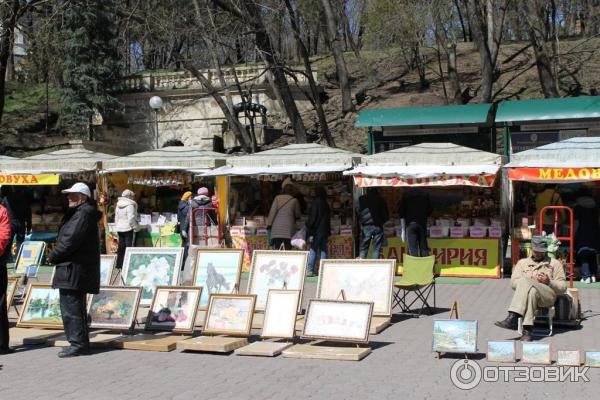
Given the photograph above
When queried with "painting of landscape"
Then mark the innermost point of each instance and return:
(568, 357)
(536, 353)
(592, 359)
(41, 307)
(501, 351)
(454, 336)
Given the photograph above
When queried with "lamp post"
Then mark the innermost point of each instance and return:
(156, 104)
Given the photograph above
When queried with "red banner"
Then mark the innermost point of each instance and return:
(554, 174)
(483, 180)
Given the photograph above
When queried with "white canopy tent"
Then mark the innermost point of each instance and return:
(193, 159)
(578, 152)
(57, 162)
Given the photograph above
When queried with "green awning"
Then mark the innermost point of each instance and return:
(468, 114)
(568, 108)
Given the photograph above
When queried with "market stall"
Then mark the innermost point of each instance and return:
(465, 227)
(158, 178)
(565, 170)
(255, 179)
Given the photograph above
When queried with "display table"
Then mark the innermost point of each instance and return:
(340, 246)
(467, 257)
(149, 239)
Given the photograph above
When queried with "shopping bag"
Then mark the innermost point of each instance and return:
(299, 239)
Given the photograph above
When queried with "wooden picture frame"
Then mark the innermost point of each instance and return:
(30, 253)
(162, 308)
(269, 270)
(361, 280)
(340, 321)
(107, 265)
(592, 359)
(147, 276)
(121, 300)
(568, 358)
(454, 336)
(47, 300)
(11, 289)
(280, 314)
(504, 351)
(222, 311)
(217, 271)
(536, 353)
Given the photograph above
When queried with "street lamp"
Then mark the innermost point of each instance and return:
(156, 104)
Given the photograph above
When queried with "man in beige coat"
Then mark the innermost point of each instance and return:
(281, 221)
(536, 280)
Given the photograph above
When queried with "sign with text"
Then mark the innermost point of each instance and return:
(482, 180)
(29, 179)
(554, 174)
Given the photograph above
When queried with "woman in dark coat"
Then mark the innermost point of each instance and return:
(76, 256)
(318, 226)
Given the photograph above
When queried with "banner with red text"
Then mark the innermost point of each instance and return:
(29, 179)
(483, 180)
(554, 174)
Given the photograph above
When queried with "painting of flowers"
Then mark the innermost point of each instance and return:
(536, 353)
(344, 321)
(174, 309)
(107, 263)
(501, 351)
(41, 307)
(454, 336)
(276, 270)
(361, 280)
(217, 271)
(10, 291)
(149, 267)
(114, 307)
(229, 314)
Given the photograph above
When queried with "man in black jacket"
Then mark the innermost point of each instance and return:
(415, 208)
(372, 214)
(77, 259)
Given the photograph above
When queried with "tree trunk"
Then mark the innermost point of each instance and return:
(8, 21)
(309, 73)
(453, 74)
(340, 63)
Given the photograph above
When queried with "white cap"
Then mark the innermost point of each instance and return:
(79, 187)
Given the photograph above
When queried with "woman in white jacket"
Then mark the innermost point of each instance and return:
(126, 223)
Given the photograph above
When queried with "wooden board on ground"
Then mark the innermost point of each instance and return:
(327, 353)
(212, 344)
(263, 349)
(378, 324)
(31, 336)
(99, 339)
(149, 342)
(258, 320)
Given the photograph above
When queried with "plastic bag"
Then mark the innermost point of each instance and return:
(403, 230)
(299, 239)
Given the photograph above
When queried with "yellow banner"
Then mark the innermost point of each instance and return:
(29, 179)
(455, 257)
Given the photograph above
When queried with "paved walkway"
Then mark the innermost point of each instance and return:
(401, 365)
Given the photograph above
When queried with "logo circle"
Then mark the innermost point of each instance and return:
(465, 374)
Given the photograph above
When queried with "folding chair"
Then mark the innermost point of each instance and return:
(418, 277)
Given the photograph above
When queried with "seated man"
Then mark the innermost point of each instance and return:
(536, 280)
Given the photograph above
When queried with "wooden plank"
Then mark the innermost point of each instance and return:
(305, 351)
(213, 344)
(378, 324)
(149, 342)
(31, 336)
(263, 349)
(100, 339)
(258, 320)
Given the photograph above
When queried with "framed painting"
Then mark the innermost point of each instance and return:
(536, 353)
(501, 351)
(30, 253)
(280, 314)
(11, 288)
(174, 309)
(229, 314)
(149, 267)
(592, 359)
(107, 263)
(115, 307)
(361, 280)
(454, 336)
(272, 269)
(341, 321)
(41, 308)
(217, 271)
(568, 358)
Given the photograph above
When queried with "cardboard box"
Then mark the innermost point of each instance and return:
(439, 231)
(477, 231)
(495, 232)
(457, 232)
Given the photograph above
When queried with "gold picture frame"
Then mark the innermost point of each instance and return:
(281, 309)
(220, 321)
(49, 299)
(223, 275)
(30, 253)
(131, 299)
(189, 312)
(351, 319)
(11, 288)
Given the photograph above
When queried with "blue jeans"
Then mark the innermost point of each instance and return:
(586, 257)
(416, 236)
(371, 232)
(318, 243)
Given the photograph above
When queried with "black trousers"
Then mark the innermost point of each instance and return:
(416, 237)
(185, 243)
(4, 339)
(74, 316)
(125, 241)
(277, 242)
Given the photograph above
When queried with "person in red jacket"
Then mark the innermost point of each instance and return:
(5, 239)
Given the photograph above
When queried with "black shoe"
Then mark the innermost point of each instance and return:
(6, 351)
(527, 336)
(72, 352)
(510, 322)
